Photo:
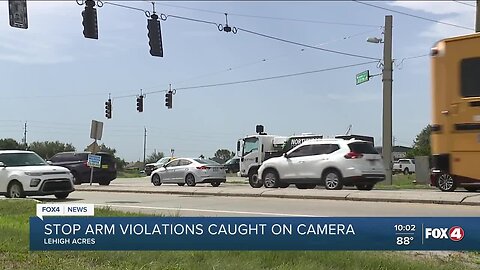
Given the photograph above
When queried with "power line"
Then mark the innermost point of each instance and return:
(251, 80)
(418, 56)
(275, 77)
(400, 65)
(264, 35)
(269, 17)
(263, 60)
(414, 16)
(308, 46)
(463, 3)
(125, 6)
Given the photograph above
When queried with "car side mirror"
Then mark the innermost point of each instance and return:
(2, 164)
(49, 162)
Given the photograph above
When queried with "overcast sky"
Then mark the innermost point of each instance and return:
(57, 81)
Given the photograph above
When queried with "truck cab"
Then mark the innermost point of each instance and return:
(255, 149)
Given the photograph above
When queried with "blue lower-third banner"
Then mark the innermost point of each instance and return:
(254, 233)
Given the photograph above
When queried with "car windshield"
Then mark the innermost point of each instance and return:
(21, 159)
(250, 145)
(163, 160)
(232, 161)
(206, 161)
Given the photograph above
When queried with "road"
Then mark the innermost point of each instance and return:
(198, 205)
(235, 189)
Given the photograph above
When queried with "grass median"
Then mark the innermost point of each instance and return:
(15, 254)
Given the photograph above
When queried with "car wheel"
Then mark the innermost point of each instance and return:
(446, 183)
(76, 181)
(62, 195)
(181, 184)
(254, 180)
(365, 187)
(104, 182)
(333, 180)
(15, 190)
(406, 171)
(270, 179)
(215, 184)
(283, 185)
(156, 180)
(190, 180)
(305, 186)
(471, 189)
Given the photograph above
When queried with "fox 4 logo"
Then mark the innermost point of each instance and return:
(455, 233)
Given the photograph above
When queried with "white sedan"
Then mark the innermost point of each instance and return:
(189, 171)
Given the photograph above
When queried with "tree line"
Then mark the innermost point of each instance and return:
(48, 149)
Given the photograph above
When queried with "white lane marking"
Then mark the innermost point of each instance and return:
(209, 210)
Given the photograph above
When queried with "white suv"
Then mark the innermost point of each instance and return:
(330, 162)
(24, 173)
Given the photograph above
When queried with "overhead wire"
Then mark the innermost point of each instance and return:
(463, 3)
(305, 45)
(265, 17)
(275, 77)
(251, 32)
(269, 36)
(412, 15)
(267, 59)
(400, 65)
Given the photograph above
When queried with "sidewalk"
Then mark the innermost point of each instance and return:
(432, 196)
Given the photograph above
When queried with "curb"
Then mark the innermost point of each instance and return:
(264, 194)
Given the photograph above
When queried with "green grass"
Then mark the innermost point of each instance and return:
(14, 254)
(401, 181)
(129, 174)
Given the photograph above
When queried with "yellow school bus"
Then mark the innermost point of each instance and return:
(455, 137)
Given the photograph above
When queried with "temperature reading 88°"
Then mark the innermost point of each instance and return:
(404, 240)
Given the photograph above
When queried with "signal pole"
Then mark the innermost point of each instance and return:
(144, 145)
(387, 78)
(25, 136)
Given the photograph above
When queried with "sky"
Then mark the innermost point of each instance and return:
(57, 81)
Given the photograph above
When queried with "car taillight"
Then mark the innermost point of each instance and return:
(203, 168)
(85, 163)
(353, 155)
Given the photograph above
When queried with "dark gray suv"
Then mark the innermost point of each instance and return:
(76, 162)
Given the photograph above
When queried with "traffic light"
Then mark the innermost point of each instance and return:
(140, 103)
(90, 24)
(155, 36)
(17, 12)
(169, 99)
(108, 109)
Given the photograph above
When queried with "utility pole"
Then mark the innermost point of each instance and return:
(387, 78)
(25, 136)
(477, 20)
(144, 145)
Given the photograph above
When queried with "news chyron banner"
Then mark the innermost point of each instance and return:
(52, 230)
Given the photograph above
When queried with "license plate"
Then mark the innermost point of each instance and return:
(104, 166)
